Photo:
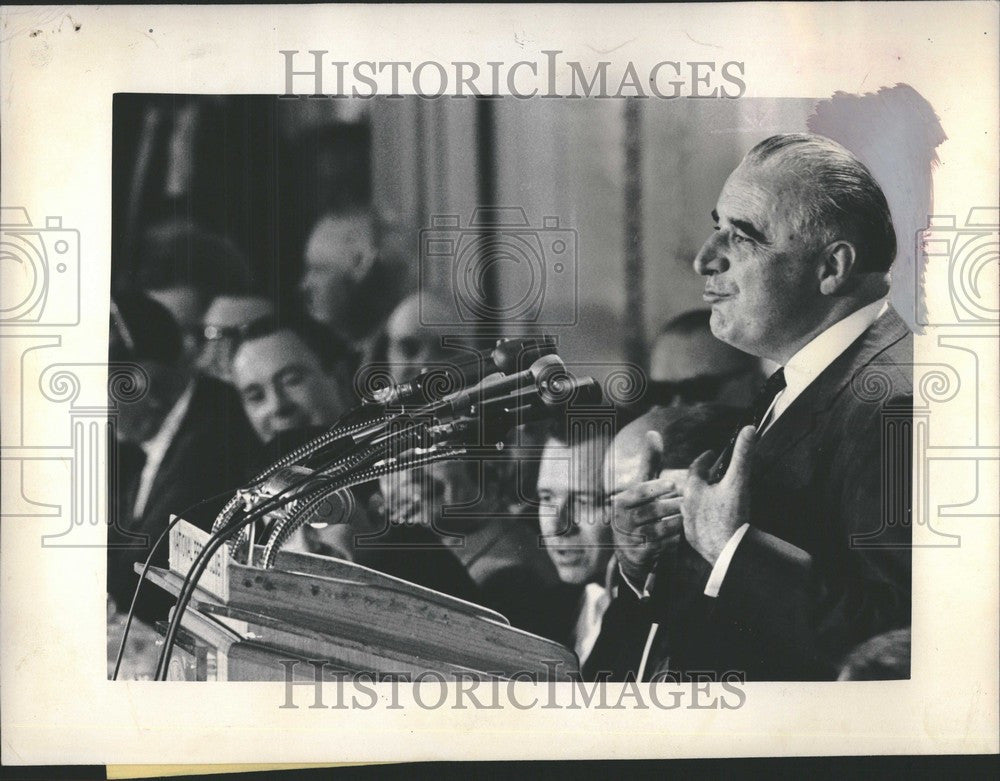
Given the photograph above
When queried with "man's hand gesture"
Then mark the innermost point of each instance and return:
(713, 513)
(646, 517)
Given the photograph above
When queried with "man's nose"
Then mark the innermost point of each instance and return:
(710, 258)
(567, 520)
(280, 404)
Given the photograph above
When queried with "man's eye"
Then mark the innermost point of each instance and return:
(293, 377)
(253, 396)
(739, 238)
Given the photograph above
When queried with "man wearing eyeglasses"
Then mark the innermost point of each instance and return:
(689, 365)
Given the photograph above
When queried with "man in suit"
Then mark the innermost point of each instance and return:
(661, 443)
(181, 442)
(348, 283)
(574, 530)
(289, 379)
(801, 550)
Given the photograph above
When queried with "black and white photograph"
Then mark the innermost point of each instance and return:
(586, 429)
(574, 388)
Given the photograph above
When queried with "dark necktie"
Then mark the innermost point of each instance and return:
(755, 416)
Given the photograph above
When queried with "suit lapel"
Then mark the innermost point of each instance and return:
(802, 416)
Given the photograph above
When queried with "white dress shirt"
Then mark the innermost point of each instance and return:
(156, 447)
(596, 599)
(800, 371)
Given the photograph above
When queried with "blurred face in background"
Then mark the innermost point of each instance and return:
(187, 305)
(419, 496)
(411, 346)
(338, 255)
(688, 368)
(283, 386)
(222, 326)
(571, 510)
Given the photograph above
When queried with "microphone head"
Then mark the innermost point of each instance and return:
(512, 355)
(559, 388)
(547, 368)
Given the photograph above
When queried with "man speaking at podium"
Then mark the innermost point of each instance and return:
(793, 545)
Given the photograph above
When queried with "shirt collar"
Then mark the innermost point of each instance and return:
(803, 367)
(159, 442)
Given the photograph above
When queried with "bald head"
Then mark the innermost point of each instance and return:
(339, 253)
(686, 433)
(412, 346)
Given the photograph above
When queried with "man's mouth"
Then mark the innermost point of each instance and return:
(714, 297)
(289, 424)
(568, 556)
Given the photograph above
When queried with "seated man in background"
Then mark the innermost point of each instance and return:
(880, 658)
(574, 526)
(177, 450)
(689, 365)
(407, 347)
(469, 509)
(287, 377)
(348, 285)
(184, 267)
(224, 324)
(662, 443)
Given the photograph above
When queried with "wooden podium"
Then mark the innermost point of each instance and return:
(245, 623)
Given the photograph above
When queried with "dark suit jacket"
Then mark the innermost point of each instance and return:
(211, 452)
(826, 562)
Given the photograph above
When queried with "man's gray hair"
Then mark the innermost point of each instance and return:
(844, 199)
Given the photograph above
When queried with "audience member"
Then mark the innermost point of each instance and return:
(407, 346)
(470, 508)
(574, 526)
(662, 443)
(286, 377)
(224, 324)
(348, 285)
(178, 449)
(688, 365)
(882, 658)
(184, 267)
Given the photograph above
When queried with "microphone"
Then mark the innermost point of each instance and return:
(494, 386)
(506, 357)
(488, 420)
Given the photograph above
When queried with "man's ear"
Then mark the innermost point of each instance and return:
(837, 262)
(363, 261)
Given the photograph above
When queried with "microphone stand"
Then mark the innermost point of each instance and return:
(361, 452)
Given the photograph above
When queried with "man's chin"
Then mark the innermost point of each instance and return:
(576, 574)
(722, 327)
